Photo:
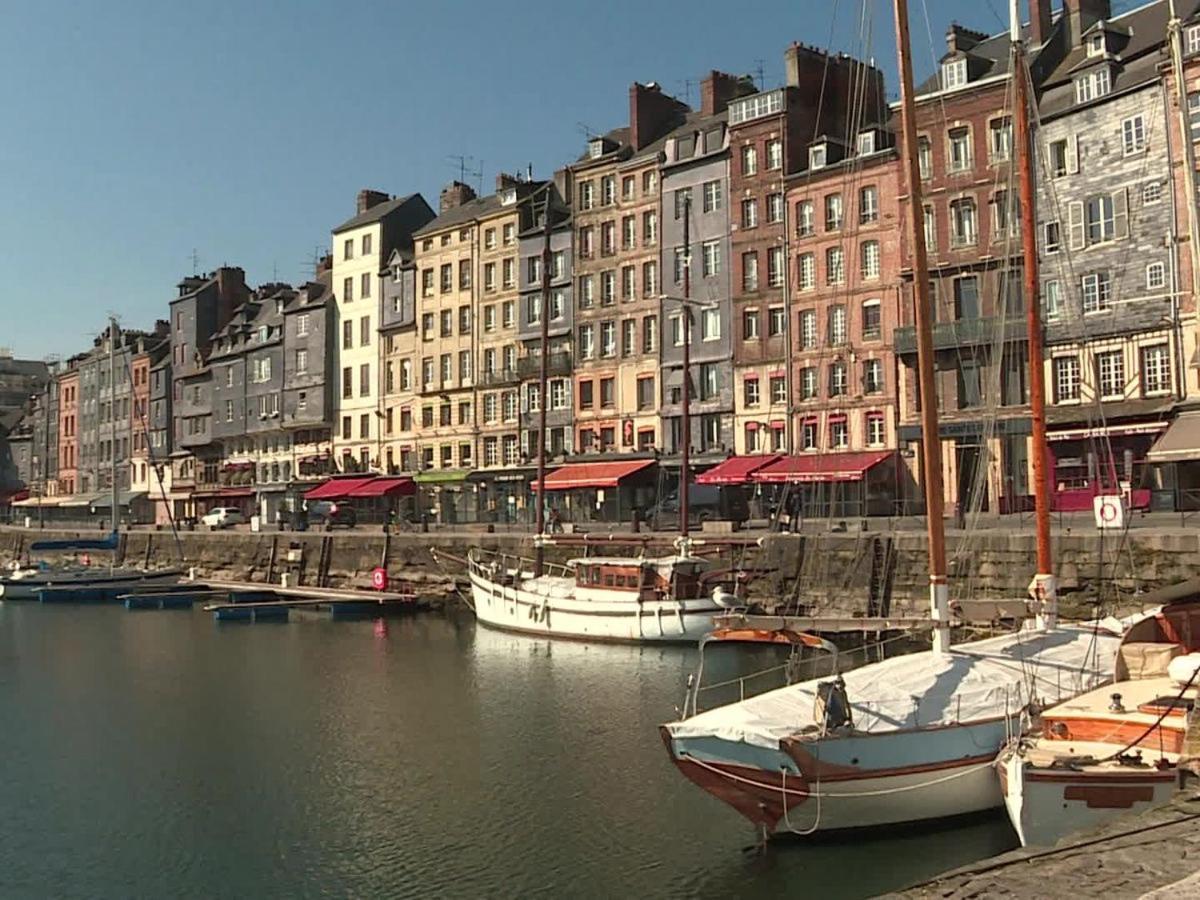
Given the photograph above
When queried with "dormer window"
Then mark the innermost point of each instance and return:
(595, 148)
(1191, 40)
(866, 142)
(1093, 85)
(818, 156)
(954, 74)
(263, 331)
(278, 304)
(1095, 45)
(397, 274)
(508, 197)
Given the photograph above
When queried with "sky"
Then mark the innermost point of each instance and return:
(138, 133)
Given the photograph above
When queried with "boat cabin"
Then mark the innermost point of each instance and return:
(646, 579)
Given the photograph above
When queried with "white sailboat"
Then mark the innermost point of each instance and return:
(909, 738)
(614, 598)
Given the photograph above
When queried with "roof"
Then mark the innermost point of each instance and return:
(736, 469)
(377, 212)
(821, 467)
(336, 488)
(1181, 440)
(461, 214)
(987, 59)
(593, 474)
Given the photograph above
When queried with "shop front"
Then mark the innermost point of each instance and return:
(613, 491)
(1175, 457)
(733, 478)
(1088, 462)
(829, 485)
(504, 495)
(445, 498)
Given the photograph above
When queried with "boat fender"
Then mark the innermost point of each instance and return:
(1182, 669)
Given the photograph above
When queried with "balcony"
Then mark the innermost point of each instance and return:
(499, 377)
(557, 364)
(961, 333)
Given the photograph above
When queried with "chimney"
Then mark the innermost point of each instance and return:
(651, 114)
(1081, 15)
(368, 198)
(960, 39)
(504, 181)
(1039, 22)
(325, 264)
(454, 194)
(718, 88)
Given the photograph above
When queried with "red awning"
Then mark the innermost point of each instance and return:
(817, 467)
(593, 474)
(13, 496)
(736, 469)
(336, 488)
(384, 487)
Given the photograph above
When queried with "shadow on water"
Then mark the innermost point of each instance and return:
(152, 754)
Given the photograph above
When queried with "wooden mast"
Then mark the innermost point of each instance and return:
(1043, 589)
(686, 394)
(931, 445)
(539, 553)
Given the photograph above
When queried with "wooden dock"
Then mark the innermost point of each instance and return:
(300, 597)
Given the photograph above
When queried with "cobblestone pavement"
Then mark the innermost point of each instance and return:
(1154, 855)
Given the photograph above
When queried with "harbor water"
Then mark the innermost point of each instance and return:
(163, 754)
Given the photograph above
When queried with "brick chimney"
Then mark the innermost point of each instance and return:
(959, 38)
(454, 194)
(368, 198)
(504, 181)
(1039, 21)
(1081, 15)
(718, 88)
(651, 114)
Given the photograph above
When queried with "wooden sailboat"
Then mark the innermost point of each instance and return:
(910, 738)
(610, 598)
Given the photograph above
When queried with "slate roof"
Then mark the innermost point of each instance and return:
(461, 214)
(378, 211)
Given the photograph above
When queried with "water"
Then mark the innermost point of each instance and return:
(161, 754)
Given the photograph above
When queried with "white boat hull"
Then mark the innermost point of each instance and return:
(1046, 805)
(514, 608)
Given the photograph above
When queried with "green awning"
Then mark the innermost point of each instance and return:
(441, 476)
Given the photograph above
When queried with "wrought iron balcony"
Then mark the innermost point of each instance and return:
(556, 364)
(962, 333)
(499, 377)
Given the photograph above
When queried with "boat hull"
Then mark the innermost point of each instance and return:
(29, 588)
(1045, 805)
(512, 608)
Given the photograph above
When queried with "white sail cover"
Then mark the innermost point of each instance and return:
(974, 681)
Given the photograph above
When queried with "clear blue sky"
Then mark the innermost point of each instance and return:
(135, 132)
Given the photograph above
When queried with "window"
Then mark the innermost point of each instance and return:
(228, 410)
(774, 153)
(1052, 304)
(628, 336)
(608, 287)
(925, 156)
(839, 433)
(608, 238)
(1151, 192)
(869, 253)
(1005, 222)
(876, 430)
(510, 406)
(427, 282)
(585, 195)
(960, 149)
(776, 321)
(1110, 373)
(649, 228)
(833, 212)
(1063, 157)
(365, 287)
(650, 278)
(711, 258)
(446, 278)
(712, 196)
(872, 376)
(778, 387)
(677, 329)
(818, 156)
(427, 372)
(489, 361)
(1105, 217)
(837, 325)
(1095, 45)
(775, 267)
(1052, 237)
(464, 320)
(508, 313)
(301, 362)
(930, 228)
(509, 272)
(775, 208)
(490, 408)
(229, 376)
(446, 363)
(1192, 40)
(710, 324)
(628, 286)
(489, 317)
(607, 393)
(750, 392)
(1156, 276)
(649, 333)
(1092, 86)
(683, 198)
(999, 139)
(750, 271)
(954, 74)
(806, 272)
(491, 451)
(868, 205)
(587, 341)
(1156, 369)
(302, 325)
(348, 248)
(749, 160)
(804, 218)
(489, 276)
(347, 290)
(962, 222)
(865, 144)
(872, 323)
(750, 324)
(808, 329)
(808, 435)
(347, 383)
(628, 234)
(364, 380)
(608, 190)
(1133, 135)
(586, 292)
(835, 265)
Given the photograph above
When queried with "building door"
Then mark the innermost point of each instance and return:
(1015, 463)
(971, 464)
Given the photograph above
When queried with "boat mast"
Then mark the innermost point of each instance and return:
(1175, 36)
(686, 418)
(1043, 589)
(539, 553)
(112, 417)
(931, 445)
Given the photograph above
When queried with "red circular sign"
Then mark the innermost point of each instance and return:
(1108, 511)
(379, 578)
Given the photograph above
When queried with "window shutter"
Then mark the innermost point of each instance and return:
(1121, 214)
(1073, 154)
(1075, 224)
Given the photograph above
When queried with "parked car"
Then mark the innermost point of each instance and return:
(705, 502)
(332, 514)
(222, 517)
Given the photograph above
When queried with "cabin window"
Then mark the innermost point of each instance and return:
(608, 580)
